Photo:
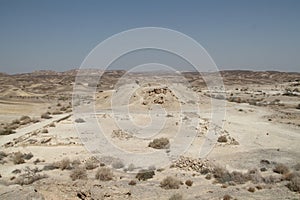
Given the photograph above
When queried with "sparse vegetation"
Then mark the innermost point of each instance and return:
(104, 174)
(117, 164)
(132, 182)
(294, 184)
(145, 174)
(91, 164)
(29, 176)
(79, 120)
(160, 143)
(64, 164)
(18, 158)
(176, 196)
(170, 183)
(46, 116)
(189, 183)
(281, 169)
(227, 197)
(222, 139)
(78, 173)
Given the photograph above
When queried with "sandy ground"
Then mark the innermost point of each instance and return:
(254, 134)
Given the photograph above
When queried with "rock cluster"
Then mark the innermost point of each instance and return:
(191, 164)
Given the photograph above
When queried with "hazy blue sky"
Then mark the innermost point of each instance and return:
(253, 34)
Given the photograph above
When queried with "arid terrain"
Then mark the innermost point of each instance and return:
(256, 154)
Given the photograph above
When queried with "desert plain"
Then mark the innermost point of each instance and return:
(49, 149)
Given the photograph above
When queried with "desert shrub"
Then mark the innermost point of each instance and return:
(294, 184)
(251, 189)
(145, 174)
(176, 196)
(25, 120)
(17, 158)
(170, 183)
(117, 164)
(130, 167)
(75, 163)
(227, 197)
(57, 112)
(254, 175)
(29, 176)
(132, 182)
(45, 130)
(223, 176)
(297, 167)
(35, 120)
(50, 167)
(281, 169)
(160, 143)
(27, 156)
(91, 164)
(222, 139)
(104, 174)
(16, 121)
(7, 131)
(189, 182)
(78, 173)
(16, 171)
(46, 116)
(64, 164)
(52, 124)
(79, 120)
(2, 155)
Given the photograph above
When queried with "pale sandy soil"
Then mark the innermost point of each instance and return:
(261, 132)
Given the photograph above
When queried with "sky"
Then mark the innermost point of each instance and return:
(238, 34)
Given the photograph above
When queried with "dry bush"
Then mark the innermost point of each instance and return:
(132, 182)
(189, 183)
(145, 174)
(27, 156)
(176, 196)
(297, 167)
(130, 167)
(2, 155)
(117, 164)
(281, 169)
(104, 174)
(64, 164)
(78, 173)
(16, 121)
(160, 143)
(52, 124)
(25, 120)
(251, 189)
(223, 176)
(227, 197)
(45, 130)
(17, 158)
(57, 112)
(222, 139)
(79, 120)
(170, 183)
(294, 184)
(91, 164)
(46, 116)
(30, 176)
(7, 131)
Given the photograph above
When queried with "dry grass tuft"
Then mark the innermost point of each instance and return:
(30, 176)
(104, 174)
(222, 139)
(78, 173)
(176, 196)
(18, 158)
(170, 183)
(132, 182)
(281, 169)
(91, 164)
(227, 197)
(145, 174)
(160, 143)
(189, 183)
